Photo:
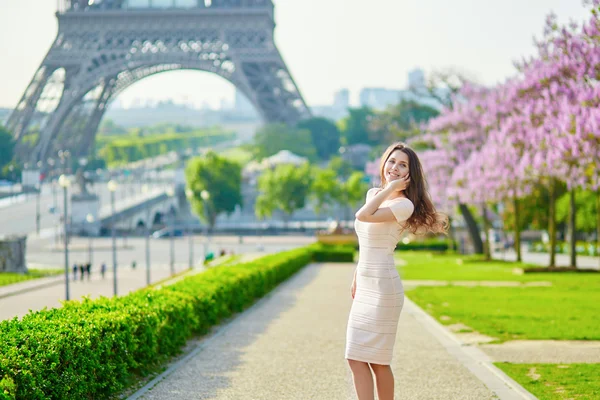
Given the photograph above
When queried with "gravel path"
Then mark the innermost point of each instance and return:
(290, 345)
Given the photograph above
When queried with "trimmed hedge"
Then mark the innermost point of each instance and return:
(427, 245)
(581, 248)
(96, 348)
(338, 253)
(128, 148)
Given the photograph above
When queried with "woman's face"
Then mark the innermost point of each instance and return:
(396, 166)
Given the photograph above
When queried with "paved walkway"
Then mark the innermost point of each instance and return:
(543, 259)
(290, 345)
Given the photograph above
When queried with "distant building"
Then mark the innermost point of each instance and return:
(379, 98)
(416, 78)
(341, 99)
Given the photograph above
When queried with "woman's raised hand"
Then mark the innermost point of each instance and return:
(400, 184)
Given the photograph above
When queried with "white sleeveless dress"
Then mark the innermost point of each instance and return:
(379, 296)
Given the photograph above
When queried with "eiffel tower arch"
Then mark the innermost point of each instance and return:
(104, 46)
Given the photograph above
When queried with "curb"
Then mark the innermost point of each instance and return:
(473, 358)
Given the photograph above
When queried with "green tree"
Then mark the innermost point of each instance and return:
(109, 127)
(585, 218)
(325, 135)
(355, 127)
(7, 147)
(355, 190)
(326, 190)
(221, 178)
(400, 121)
(342, 168)
(273, 138)
(284, 188)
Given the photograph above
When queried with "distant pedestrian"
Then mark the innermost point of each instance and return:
(88, 270)
(75, 272)
(82, 270)
(103, 270)
(133, 264)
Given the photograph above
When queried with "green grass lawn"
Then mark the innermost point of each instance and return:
(449, 267)
(8, 278)
(237, 154)
(557, 381)
(516, 313)
(569, 309)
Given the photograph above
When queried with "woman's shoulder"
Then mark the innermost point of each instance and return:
(398, 199)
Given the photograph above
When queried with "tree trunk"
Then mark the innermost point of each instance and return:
(486, 227)
(472, 227)
(451, 236)
(598, 224)
(552, 223)
(517, 229)
(572, 230)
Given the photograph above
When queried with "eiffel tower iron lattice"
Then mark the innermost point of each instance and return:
(104, 46)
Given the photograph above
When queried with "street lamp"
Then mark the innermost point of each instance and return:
(112, 187)
(38, 186)
(64, 182)
(205, 197)
(90, 220)
(11, 168)
(171, 230)
(190, 194)
(145, 190)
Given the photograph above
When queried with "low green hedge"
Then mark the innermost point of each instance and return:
(96, 348)
(581, 248)
(332, 253)
(425, 245)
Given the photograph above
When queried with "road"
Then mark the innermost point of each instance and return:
(17, 215)
(42, 254)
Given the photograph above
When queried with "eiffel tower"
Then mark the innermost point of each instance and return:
(104, 46)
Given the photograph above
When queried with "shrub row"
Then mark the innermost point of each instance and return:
(582, 248)
(95, 348)
(427, 245)
(128, 149)
(337, 253)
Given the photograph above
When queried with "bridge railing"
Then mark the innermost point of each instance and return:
(102, 5)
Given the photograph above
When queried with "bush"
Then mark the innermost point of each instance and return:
(581, 248)
(427, 245)
(327, 253)
(95, 348)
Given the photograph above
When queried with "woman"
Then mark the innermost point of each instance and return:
(401, 204)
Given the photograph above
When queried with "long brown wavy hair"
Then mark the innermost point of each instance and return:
(425, 218)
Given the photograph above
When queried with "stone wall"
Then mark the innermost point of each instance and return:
(12, 254)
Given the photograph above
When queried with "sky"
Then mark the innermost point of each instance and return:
(327, 45)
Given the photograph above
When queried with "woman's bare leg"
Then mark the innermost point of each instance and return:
(363, 379)
(384, 378)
